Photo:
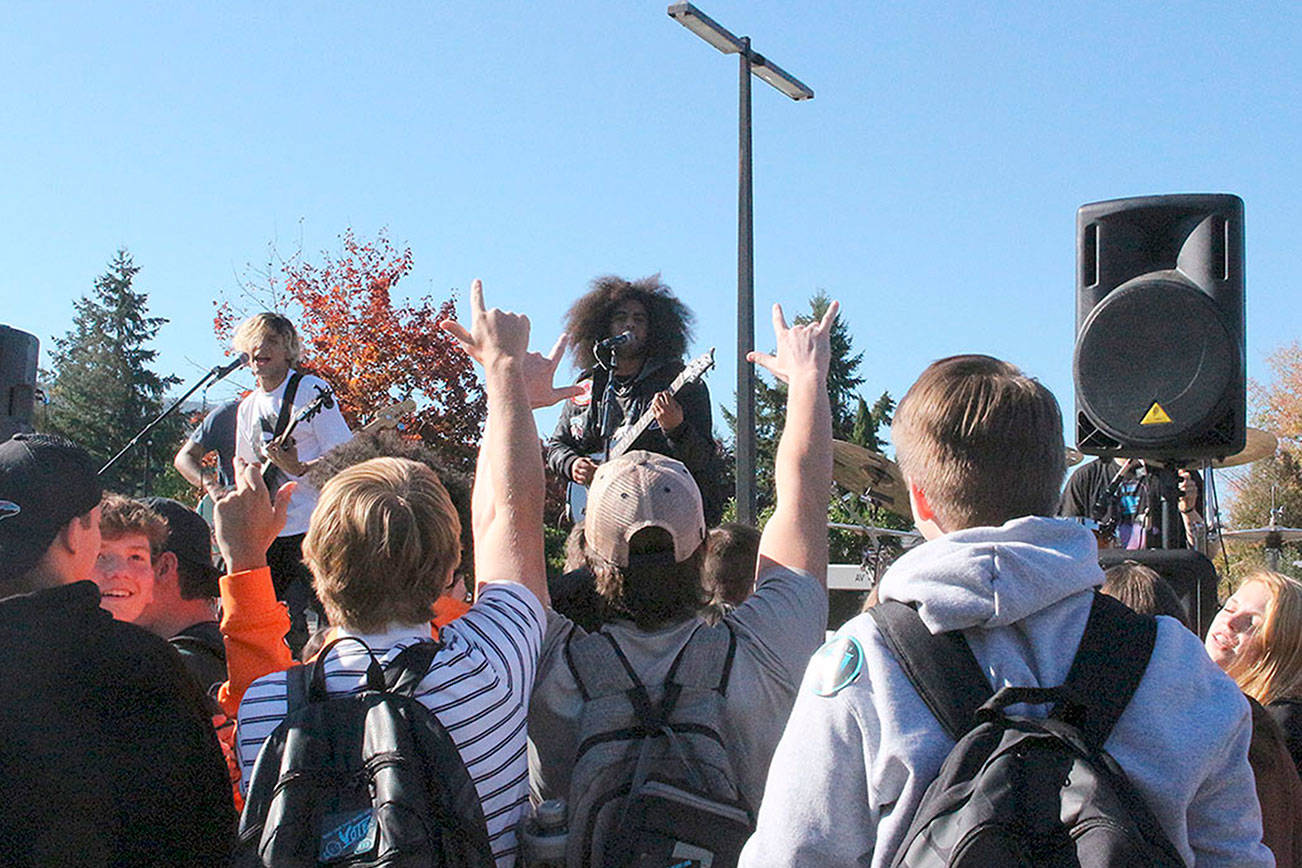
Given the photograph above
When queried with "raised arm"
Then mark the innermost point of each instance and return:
(507, 504)
(796, 535)
(253, 622)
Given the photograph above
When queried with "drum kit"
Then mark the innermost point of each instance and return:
(1260, 444)
(877, 482)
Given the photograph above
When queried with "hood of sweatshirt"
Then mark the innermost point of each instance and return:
(995, 576)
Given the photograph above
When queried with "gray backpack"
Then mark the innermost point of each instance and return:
(653, 784)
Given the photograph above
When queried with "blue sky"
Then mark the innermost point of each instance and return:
(931, 185)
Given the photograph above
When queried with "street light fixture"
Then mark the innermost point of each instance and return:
(754, 63)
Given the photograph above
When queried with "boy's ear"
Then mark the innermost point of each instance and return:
(921, 508)
(165, 564)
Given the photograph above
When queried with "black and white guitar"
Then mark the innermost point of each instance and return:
(324, 400)
(626, 435)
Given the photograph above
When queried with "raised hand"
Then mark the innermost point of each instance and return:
(801, 348)
(540, 371)
(494, 334)
(246, 520)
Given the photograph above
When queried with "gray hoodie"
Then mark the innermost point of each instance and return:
(860, 747)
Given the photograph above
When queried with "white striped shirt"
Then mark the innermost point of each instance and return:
(478, 686)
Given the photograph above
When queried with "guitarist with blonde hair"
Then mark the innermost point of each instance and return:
(629, 339)
(285, 424)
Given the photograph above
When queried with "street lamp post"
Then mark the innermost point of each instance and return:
(751, 63)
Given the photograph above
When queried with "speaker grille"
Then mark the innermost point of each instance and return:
(1155, 361)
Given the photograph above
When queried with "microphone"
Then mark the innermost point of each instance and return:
(617, 341)
(222, 371)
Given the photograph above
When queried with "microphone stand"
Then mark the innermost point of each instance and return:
(209, 378)
(607, 416)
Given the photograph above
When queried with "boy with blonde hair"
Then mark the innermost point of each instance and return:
(980, 445)
(384, 545)
(273, 348)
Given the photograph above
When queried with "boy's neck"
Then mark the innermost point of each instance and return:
(267, 385)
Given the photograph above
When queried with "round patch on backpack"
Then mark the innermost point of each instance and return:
(837, 665)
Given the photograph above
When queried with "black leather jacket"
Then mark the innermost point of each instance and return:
(578, 429)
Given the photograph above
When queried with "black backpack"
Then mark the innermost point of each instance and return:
(369, 778)
(1021, 790)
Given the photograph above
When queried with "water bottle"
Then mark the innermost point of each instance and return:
(543, 836)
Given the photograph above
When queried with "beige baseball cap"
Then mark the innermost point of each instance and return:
(638, 490)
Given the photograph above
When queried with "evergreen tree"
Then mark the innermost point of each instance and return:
(103, 391)
(869, 421)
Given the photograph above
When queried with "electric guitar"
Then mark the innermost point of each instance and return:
(324, 400)
(386, 419)
(626, 435)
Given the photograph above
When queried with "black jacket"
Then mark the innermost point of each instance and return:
(107, 753)
(578, 431)
(1086, 495)
(204, 653)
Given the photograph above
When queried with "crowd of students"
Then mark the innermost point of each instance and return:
(696, 718)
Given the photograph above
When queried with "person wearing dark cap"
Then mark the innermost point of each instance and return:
(184, 610)
(108, 752)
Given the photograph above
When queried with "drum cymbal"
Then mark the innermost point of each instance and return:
(866, 473)
(1264, 534)
(869, 530)
(1260, 444)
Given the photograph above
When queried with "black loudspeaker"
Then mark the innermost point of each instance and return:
(1189, 573)
(1159, 360)
(18, 352)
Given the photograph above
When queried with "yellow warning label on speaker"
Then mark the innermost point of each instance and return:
(1155, 416)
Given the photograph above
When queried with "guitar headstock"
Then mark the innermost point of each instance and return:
(697, 367)
(324, 400)
(386, 418)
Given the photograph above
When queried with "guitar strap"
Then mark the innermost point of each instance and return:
(271, 474)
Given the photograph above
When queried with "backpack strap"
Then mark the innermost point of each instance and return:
(705, 660)
(940, 666)
(316, 675)
(600, 668)
(194, 645)
(408, 669)
(297, 679)
(1111, 661)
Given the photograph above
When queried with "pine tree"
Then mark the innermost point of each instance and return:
(869, 421)
(102, 390)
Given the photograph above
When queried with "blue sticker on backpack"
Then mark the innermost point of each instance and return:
(346, 834)
(837, 665)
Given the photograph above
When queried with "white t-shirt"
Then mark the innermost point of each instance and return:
(327, 429)
(478, 686)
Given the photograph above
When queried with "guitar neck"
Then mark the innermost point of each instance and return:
(628, 437)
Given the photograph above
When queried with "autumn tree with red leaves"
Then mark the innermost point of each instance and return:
(1274, 482)
(373, 350)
